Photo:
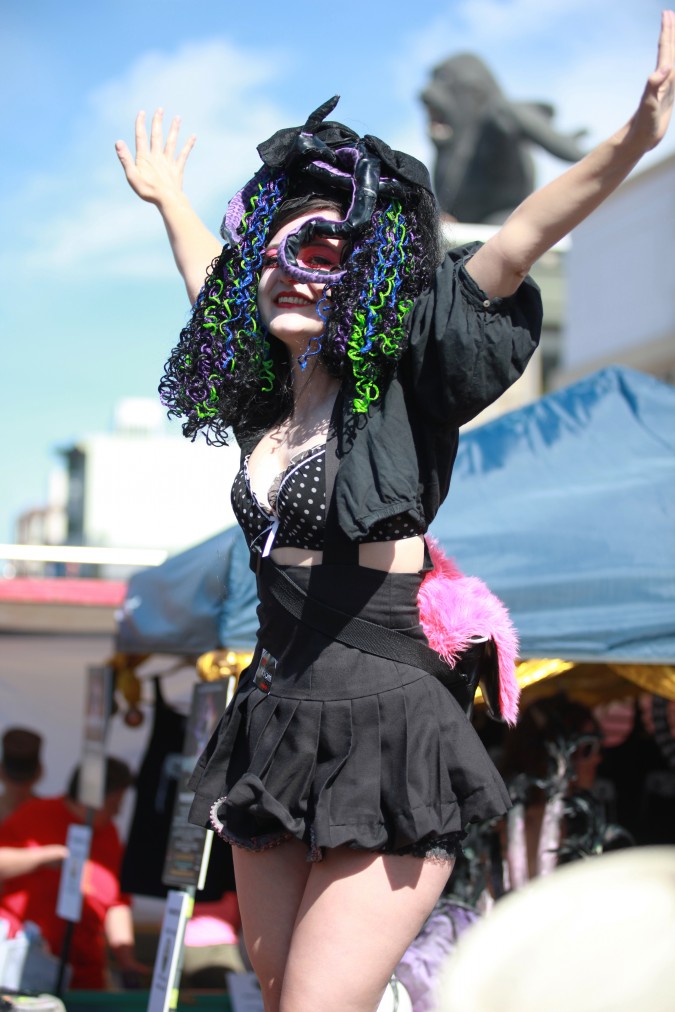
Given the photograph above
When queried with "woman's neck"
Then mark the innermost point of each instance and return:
(312, 387)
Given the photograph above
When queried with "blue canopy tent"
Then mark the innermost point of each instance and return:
(200, 600)
(565, 508)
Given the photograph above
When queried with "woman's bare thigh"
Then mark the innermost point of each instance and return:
(359, 912)
(270, 887)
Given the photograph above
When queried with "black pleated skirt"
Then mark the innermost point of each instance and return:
(345, 748)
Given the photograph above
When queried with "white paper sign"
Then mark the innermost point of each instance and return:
(244, 991)
(165, 978)
(69, 902)
(91, 788)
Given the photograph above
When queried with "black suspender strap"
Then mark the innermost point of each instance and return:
(338, 549)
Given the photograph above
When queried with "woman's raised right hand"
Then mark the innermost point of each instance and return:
(156, 173)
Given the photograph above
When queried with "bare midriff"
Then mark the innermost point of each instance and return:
(404, 556)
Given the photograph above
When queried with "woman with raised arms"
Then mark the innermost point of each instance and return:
(344, 351)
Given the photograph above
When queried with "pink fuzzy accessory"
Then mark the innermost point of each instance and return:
(454, 609)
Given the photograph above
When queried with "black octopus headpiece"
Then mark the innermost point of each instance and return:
(335, 157)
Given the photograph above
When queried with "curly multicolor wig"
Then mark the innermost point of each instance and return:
(227, 370)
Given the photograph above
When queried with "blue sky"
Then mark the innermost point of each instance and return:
(89, 299)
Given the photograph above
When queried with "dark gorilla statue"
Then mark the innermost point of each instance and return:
(483, 166)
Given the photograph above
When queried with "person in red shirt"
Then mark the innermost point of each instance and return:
(20, 768)
(32, 848)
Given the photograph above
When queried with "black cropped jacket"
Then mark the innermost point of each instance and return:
(464, 352)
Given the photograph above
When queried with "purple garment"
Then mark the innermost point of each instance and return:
(421, 965)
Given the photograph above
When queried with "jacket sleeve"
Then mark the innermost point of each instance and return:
(465, 350)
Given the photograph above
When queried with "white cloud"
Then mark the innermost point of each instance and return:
(89, 218)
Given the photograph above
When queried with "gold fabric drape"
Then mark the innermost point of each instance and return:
(592, 683)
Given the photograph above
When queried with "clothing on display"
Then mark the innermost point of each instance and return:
(156, 783)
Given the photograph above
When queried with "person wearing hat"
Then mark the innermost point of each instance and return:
(32, 849)
(597, 935)
(20, 768)
(343, 349)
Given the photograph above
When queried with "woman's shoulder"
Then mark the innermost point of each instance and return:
(455, 303)
(464, 348)
(452, 282)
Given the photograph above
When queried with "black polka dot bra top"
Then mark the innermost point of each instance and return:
(294, 515)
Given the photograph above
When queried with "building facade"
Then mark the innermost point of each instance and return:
(621, 282)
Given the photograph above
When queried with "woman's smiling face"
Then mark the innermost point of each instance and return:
(289, 308)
